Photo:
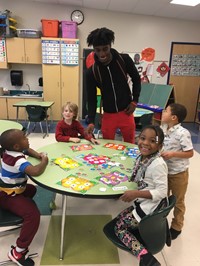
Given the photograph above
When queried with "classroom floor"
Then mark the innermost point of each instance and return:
(184, 250)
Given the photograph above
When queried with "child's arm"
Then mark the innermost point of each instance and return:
(131, 195)
(178, 154)
(76, 140)
(94, 141)
(38, 169)
(89, 137)
(32, 153)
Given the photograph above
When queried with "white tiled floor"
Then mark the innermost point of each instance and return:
(184, 250)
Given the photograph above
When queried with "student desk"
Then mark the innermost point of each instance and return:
(23, 104)
(6, 124)
(93, 171)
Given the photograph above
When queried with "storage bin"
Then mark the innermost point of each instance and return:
(69, 29)
(28, 33)
(50, 28)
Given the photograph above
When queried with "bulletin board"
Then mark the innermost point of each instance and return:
(184, 75)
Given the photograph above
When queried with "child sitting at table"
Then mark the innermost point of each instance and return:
(15, 194)
(150, 174)
(69, 129)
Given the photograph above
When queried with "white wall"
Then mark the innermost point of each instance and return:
(132, 32)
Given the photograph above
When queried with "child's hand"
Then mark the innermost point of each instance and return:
(43, 154)
(95, 141)
(44, 157)
(167, 155)
(76, 140)
(129, 195)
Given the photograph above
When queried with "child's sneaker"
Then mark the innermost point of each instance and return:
(20, 257)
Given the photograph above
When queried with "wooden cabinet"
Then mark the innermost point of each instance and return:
(60, 84)
(24, 50)
(4, 109)
(12, 111)
(197, 115)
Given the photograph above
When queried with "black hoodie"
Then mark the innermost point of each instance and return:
(115, 90)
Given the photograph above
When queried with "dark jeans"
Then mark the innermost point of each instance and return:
(23, 206)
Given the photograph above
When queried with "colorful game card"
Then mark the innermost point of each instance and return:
(113, 178)
(118, 147)
(96, 159)
(82, 147)
(78, 184)
(131, 152)
(66, 163)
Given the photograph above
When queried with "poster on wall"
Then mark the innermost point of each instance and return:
(51, 52)
(2, 50)
(144, 63)
(70, 52)
(185, 65)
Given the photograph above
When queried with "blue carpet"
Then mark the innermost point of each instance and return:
(44, 199)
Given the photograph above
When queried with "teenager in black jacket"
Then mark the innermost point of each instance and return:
(112, 73)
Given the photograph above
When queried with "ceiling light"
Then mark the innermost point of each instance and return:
(185, 2)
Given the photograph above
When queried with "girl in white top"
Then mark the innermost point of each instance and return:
(150, 174)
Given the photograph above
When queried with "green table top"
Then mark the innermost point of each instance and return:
(6, 124)
(141, 111)
(93, 171)
(40, 103)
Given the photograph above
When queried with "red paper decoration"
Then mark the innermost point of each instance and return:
(148, 54)
(163, 69)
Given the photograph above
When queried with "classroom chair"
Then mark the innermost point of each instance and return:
(153, 231)
(9, 221)
(37, 114)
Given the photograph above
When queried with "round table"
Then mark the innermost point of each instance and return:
(87, 170)
(107, 166)
(7, 124)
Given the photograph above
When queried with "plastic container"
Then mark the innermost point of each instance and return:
(69, 29)
(28, 33)
(50, 28)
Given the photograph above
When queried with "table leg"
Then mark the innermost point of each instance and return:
(64, 205)
(51, 115)
(17, 118)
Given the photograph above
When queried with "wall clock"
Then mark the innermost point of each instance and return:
(77, 16)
